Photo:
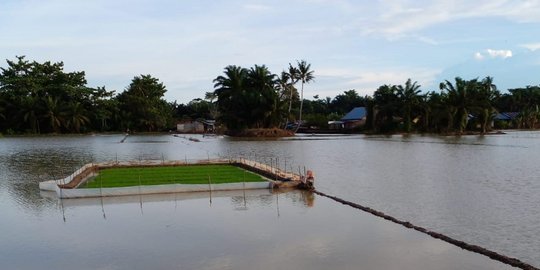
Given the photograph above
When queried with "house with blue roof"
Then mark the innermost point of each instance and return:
(355, 118)
(506, 116)
(505, 119)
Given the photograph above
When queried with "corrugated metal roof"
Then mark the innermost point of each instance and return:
(355, 114)
(506, 116)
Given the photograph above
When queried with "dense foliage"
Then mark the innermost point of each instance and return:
(43, 98)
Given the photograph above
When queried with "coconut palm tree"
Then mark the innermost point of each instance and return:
(293, 77)
(282, 82)
(305, 75)
(286, 89)
(408, 95)
(54, 114)
(76, 117)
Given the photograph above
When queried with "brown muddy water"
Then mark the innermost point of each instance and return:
(481, 190)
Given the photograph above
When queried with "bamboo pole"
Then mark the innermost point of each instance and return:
(244, 187)
(210, 188)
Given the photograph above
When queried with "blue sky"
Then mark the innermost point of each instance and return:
(350, 44)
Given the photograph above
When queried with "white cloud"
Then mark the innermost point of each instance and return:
(493, 54)
(499, 53)
(397, 19)
(478, 56)
(531, 46)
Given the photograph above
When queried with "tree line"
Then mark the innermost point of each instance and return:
(255, 98)
(458, 106)
(40, 98)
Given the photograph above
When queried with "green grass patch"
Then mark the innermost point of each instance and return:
(191, 174)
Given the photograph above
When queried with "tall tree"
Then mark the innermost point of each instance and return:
(263, 97)
(76, 117)
(484, 99)
(37, 95)
(248, 98)
(2, 108)
(410, 99)
(305, 75)
(210, 97)
(459, 95)
(30, 110)
(230, 89)
(385, 108)
(343, 103)
(143, 105)
(293, 76)
(54, 114)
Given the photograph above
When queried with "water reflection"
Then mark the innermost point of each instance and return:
(235, 232)
(240, 200)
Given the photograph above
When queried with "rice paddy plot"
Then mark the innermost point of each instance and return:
(163, 175)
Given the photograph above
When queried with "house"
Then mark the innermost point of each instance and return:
(190, 127)
(504, 120)
(506, 116)
(355, 118)
(336, 124)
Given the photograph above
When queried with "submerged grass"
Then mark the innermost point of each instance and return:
(190, 174)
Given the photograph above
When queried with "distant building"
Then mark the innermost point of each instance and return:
(504, 120)
(355, 118)
(506, 116)
(336, 124)
(198, 126)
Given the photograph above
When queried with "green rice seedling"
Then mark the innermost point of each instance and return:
(188, 174)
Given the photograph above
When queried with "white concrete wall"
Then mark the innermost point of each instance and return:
(153, 189)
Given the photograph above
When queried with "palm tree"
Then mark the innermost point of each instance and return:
(486, 93)
(229, 91)
(211, 96)
(459, 98)
(305, 75)
(30, 112)
(282, 82)
(76, 117)
(385, 107)
(2, 108)
(409, 98)
(294, 77)
(425, 111)
(287, 90)
(263, 96)
(53, 113)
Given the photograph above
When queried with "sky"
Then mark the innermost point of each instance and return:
(357, 45)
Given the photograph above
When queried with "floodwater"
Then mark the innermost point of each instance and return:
(481, 190)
